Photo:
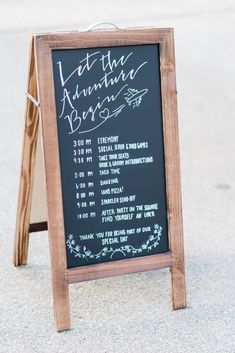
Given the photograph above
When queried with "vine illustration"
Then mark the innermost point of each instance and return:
(84, 253)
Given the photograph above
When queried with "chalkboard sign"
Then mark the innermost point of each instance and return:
(103, 105)
(109, 118)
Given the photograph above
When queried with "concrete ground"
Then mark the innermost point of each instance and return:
(132, 313)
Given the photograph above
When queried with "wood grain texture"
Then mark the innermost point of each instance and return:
(27, 169)
(172, 166)
(121, 267)
(53, 185)
(38, 212)
(99, 38)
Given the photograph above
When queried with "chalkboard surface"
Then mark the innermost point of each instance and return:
(110, 133)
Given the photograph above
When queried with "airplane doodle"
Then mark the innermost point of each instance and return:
(134, 97)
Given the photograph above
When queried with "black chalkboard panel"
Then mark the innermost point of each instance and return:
(109, 119)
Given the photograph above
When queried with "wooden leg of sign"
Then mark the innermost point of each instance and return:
(61, 301)
(178, 287)
(53, 187)
(38, 212)
(176, 236)
(176, 233)
(177, 248)
(27, 169)
(28, 217)
(177, 270)
(172, 163)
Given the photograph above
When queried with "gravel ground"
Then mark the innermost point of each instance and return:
(132, 313)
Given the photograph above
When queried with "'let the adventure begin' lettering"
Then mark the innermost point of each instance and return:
(86, 108)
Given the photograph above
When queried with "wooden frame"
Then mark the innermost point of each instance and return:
(41, 85)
